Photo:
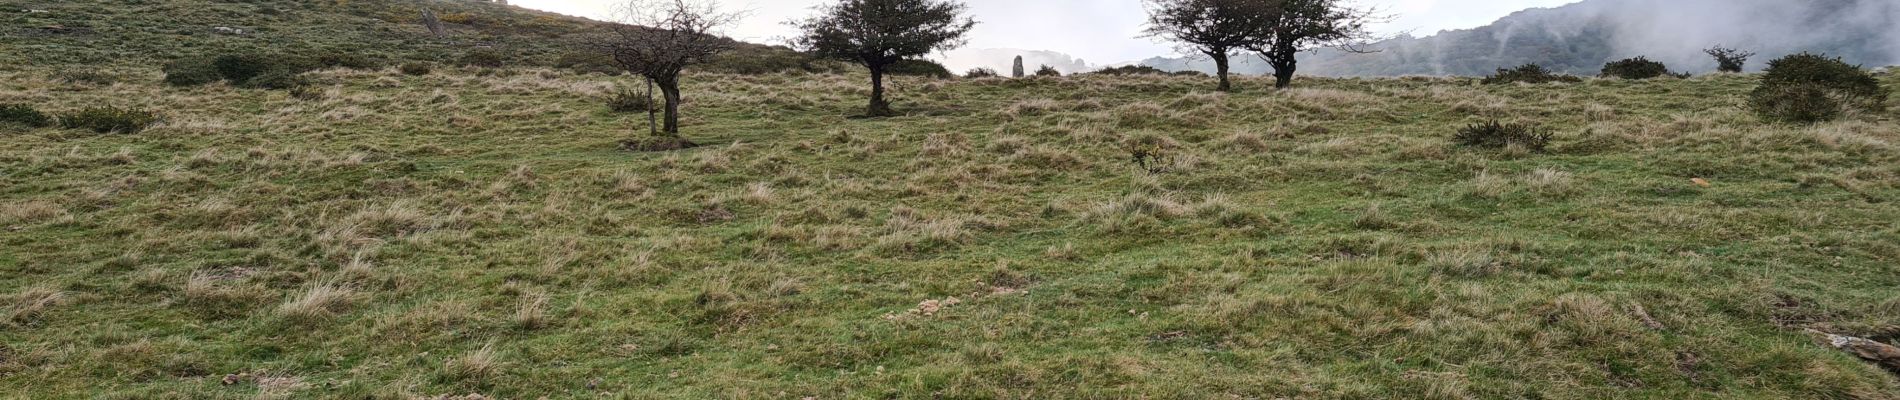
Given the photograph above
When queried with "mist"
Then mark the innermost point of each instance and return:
(1579, 38)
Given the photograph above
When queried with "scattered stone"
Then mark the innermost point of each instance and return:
(1867, 349)
(228, 30)
(1642, 314)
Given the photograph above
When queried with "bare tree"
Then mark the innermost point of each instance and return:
(1293, 26)
(1729, 60)
(657, 39)
(1214, 28)
(879, 33)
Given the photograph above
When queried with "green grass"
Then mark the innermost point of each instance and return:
(476, 231)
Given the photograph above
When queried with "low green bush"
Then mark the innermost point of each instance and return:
(1528, 73)
(1812, 88)
(23, 115)
(339, 59)
(416, 68)
(980, 73)
(587, 62)
(277, 79)
(1635, 68)
(1131, 70)
(1802, 103)
(925, 68)
(486, 58)
(1048, 71)
(630, 101)
(240, 68)
(1496, 135)
(110, 120)
(191, 72)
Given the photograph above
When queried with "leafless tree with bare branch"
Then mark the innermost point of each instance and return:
(658, 39)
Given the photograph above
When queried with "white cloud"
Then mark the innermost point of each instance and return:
(1099, 31)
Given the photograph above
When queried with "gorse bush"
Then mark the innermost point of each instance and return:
(339, 59)
(1047, 71)
(629, 101)
(191, 72)
(1803, 103)
(23, 115)
(1528, 73)
(1496, 135)
(1634, 68)
(587, 62)
(277, 79)
(1813, 88)
(980, 73)
(486, 58)
(1131, 70)
(110, 120)
(920, 68)
(240, 68)
(415, 68)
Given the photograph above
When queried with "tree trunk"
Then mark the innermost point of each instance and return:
(878, 107)
(670, 89)
(1284, 64)
(1220, 66)
(1283, 74)
(653, 116)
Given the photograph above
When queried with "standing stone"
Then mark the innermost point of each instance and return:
(430, 21)
(1018, 72)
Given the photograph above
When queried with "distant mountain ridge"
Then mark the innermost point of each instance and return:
(1578, 38)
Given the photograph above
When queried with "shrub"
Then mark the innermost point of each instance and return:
(109, 120)
(24, 115)
(587, 62)
(1793, 87)
(487, 58)
(277, 79)
(1802, 103)
(1528, 73)
(628, 101)
(346, 60)
(416, 68)
(1634, 68)
(1729, 60)
(1131, 70)
(1150, 152)
(240, 68)
(90, 77)
(1496, 135)
(980, 73)
(1047, 71)
(191, 72)
(920, 68)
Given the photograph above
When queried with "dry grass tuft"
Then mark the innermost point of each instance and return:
(31, 303)
(320, 302)
(476, 366)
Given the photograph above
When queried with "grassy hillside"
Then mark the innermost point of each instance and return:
(476, 231)
(120, 32)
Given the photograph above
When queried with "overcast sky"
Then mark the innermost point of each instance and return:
(1100, 31)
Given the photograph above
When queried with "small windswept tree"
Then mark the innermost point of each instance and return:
(658, 39)
(1214, 28)
(1729, 60)
(1293, 26)
(880, 33)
